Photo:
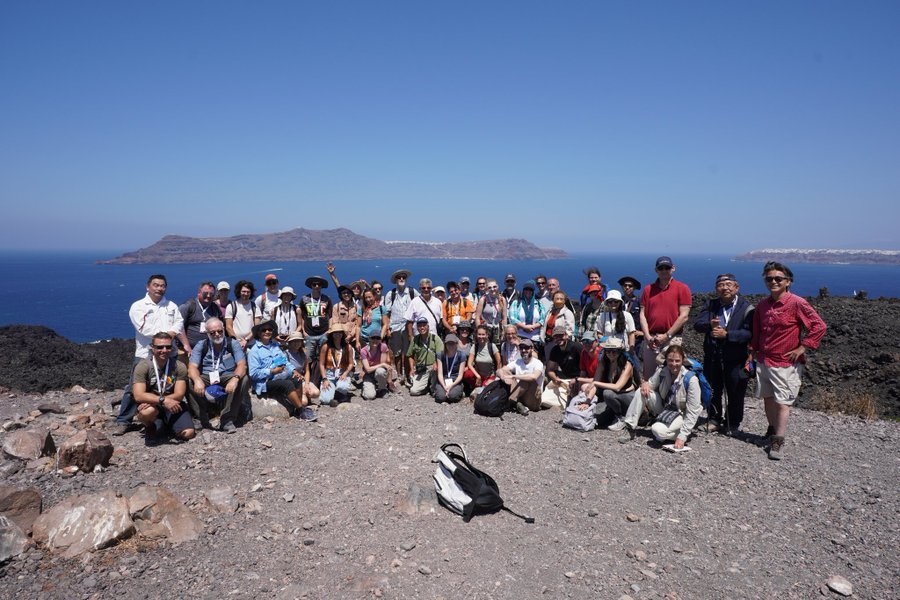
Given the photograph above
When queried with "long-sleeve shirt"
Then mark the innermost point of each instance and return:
(149, 318)
(687, 400)
(777, 328)
(260, 360)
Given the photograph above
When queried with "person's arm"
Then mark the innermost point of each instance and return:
(459, 375)
(479, 320)
(692, 410)
(332, 272)
(652, 383)
(532, 375)
(645, 328)
(701, 322)
(448, 326)
(504, 315)
(621, 383)
(684, 312)
(196, 379)
(439, 367)
(258, 371)
(385, 324)
(813, 324)
(364, 359)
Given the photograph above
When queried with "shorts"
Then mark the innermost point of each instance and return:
(782, 383)
(177, 422)
(399, 343)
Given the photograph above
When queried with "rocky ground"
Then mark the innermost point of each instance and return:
(342, 508)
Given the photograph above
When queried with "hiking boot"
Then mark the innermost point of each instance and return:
(522, 409)
(121, 428)
(775, 448)
(307, 414)
(228, 427)
(712, 426)
(619, 425)
(630, 436)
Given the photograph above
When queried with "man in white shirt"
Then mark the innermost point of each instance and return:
(152, 314)
(525, 378)
(395, 304)
(424, 305)
(270, 298)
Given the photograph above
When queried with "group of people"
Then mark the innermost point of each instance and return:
(618, 351)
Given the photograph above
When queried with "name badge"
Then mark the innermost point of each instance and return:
(448, 382)
(213, 377)
(315, 321)
(203, 327)
(456, 319)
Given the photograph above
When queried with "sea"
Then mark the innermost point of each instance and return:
(85, 301)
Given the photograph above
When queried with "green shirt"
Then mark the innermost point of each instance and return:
(425, 353)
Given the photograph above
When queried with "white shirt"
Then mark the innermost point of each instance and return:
(417, 309)
(243, 316)
(606, 326)
(149, 318)
(272, 300)
(520, 367)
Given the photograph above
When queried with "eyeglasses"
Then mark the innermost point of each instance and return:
(158, 347)
(493, 287)
(215, 332)
(525, 348)
(627, 285)
(400, 277)
(206, 294)
(481, 283)
(272, 282)
(541, 282)
(377, 289)
(425, 288)
(775, 279)
(664, 268)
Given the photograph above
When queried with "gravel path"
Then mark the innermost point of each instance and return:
(326, 511)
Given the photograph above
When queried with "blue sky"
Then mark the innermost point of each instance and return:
(646, 126)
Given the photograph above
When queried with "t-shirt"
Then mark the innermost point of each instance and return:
(285, 318)
(372, 322)
(374, 356)
(243, 315)
(395, 304)
(225, 360)
(266, 301)
(419, 308)
(195, 316)
(315, 313)
(451, 364)
(661, 305)
(606, 327)
(533, 366)
(145, 373)
(567, 359)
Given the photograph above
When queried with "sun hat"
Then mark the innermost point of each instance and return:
(287, 290)
(400, 273)
(315, 278)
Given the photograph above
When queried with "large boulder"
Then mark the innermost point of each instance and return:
(82, 523)
(20, 506)
(29, 444)
(158, 513)
(85, 450)
(13, 540)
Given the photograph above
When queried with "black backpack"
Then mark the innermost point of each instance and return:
(493, 399)
(465, 490)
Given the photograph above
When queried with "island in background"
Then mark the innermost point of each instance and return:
(326, 244)
(823, 256)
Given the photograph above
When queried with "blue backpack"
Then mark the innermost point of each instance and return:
(695, 367)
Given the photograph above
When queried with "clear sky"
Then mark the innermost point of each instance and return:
(648, 126)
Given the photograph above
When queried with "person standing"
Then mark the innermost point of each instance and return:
(152, 314)
(665, 306)
(315, 310)
(780, 348)
(395, 304)
(727, 324)
(197, 311)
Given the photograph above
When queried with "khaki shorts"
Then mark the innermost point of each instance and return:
(781, 383)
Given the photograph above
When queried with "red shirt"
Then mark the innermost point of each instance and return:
(777, 329)
(661, 306)
(589, 359)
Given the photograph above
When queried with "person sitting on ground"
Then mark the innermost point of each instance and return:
(525, 378)
(448, 386)
(335, 366)
(197, 311)
(527, 314)
(301, 368)
(455, 308)
(509, 349)
(593, 286)
(375, 357)
(373, 318)
(674, 405)
(345, 313)
(218, 374)
(222, 291)
(242, 315)
(587, 363)
(422, 356)
(285, 314)
(315, 313)
(563, 361)
(271, 372)
(270, 298)
(482, 363)
(560, 315)
(616, 380)
(615, 322)
(160, 384)
(491, 310)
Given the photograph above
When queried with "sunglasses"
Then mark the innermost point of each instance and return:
(399, 277)
(625, 285)
(664, 268)
(377, 289)
(425, 288)
(775, 279)
(267, 330)
(541, 282)
(272, 282)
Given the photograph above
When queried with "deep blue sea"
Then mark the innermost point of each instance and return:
(84, 301)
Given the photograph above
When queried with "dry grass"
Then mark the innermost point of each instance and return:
(863, 405)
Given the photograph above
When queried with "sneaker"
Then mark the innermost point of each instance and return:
(522, 409)
(618, 425)
(712, 426)
(630, 436)
(307, 414)
(775, 448)
(121, 428)
(229, 427)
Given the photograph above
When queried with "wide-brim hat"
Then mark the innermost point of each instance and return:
(270, 323)
(315, 278)
(343, 288)
(400, 273)
(287, 290)
(294, 337)
(637, 284)
(612, 343)
(335, 327)
(464, 324)
(614, 295)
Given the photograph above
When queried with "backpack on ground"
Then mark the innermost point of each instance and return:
(695, 367)
(464, 489)
(578, 419)
(493, 399)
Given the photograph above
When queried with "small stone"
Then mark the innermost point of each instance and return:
(640, 555)
(308, 542)
(265, 443)
(407, 546)
(51, 407)
(424, 570)
(288, 497)
(253, 507)
(632, 518)
(570, 574)
(256, 487)
(838, 584)
(635, 588)
(270, 419)
(396, 563)
(593, 512)
(77, 389)
(649, 573)
(307, 526)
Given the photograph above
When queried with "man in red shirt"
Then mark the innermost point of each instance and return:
(665, 306)
(780, 350)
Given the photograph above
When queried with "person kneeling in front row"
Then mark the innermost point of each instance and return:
(160, 384)
(674, 405)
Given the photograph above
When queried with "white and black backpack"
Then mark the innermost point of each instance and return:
(464, 489)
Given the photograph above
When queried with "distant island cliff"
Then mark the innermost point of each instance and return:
(823, 256)
(326, 244)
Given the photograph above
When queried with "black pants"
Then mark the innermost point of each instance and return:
(733, 380)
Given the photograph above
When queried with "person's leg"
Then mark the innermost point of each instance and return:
(382, 379)
(182, 424)
(128, 407)
(439, 393)
(326, 391)
(648, 362)
(420, 383)
(456, 393)
(667, 433)
(342, 389)
(712, 368)
(735, 389)
(231, 410)
(369, 390)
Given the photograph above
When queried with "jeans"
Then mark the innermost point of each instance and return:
(129, 407)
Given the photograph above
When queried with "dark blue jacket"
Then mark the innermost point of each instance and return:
(733, 349)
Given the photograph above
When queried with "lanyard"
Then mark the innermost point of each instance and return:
(727, 312)
(161, 383)
(216, 360)
(450, 368)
